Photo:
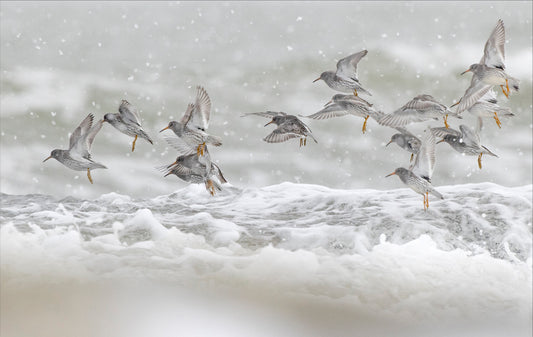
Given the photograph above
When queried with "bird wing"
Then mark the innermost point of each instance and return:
(202, 109)
(402, 117)
(332, 110)
(489, 97)
(422, 102)
(180, 145)
(283, 133)
(425, 159)
(268, 114)
(494, 52)
(470, 137)
(187, 115)
(82, 138)
(347, 67)
(129, 113)
(80, 131)
(474, 93)
(218, 173)
(442, 131)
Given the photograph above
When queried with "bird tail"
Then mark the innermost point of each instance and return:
(312, 137)
(219, 174)
(514, 84)
(489, 152)
(144, 135)
(437, 194)
(214, 140)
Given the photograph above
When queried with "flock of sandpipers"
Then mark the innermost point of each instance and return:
(190, 139)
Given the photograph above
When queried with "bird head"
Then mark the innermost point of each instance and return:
(109, 117)
(54, 154)
(170, 125)
(473, 68)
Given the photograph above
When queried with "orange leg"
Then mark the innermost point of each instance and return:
(503, 90)
(133, 145)
(355, 92)
(210, 187)
(507, 86)
(89, 175)
(479, 160)
(364, 124)
(497, 120)
(446, 121)
(412, 155)
(200, 149)
(305, 141)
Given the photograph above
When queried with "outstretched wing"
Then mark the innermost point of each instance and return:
(422, 102)
(474, 93)
(442, 131)
(179, 145)
(129, 113)
(82, 138)
(202, 109)
(347, 67)
(81, 131)
(332, 110)
(187, 115)
(283, 133)
(425, 159)
(494, 52)
(268, 114)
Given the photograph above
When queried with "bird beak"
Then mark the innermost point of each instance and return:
(464, 72)
(168, 127)
(440, 141)
(272, 121)
(317, 79)
(388, 143)
(328, 103)
(47, 159)
(388, 175)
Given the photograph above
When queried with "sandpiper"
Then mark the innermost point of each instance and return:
(490, 71)
(407, 141)
(418, 176)
(345, 78)
(465, 141)
(342, 105)
(197, 169)
(289, 126)
(78, 156)
(194, 123)
(419, 109)
(128, 122)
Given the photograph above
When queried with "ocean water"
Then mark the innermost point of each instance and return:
(303, 241)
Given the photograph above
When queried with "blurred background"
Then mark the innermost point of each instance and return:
(61, 60)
